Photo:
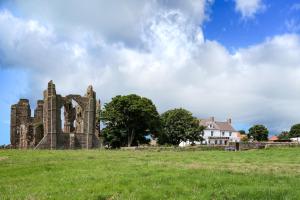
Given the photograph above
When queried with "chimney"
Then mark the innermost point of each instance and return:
(212, 119)
(229, 120)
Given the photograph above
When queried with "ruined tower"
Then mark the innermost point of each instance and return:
(45, 130)
(20, 127)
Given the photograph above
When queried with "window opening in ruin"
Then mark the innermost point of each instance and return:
(62, 118)
(78, 120)
(68, 113)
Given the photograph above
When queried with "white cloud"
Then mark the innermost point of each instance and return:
(292, 25)
(173, 64)
(295, 6)
(248, 8)
(113, 19)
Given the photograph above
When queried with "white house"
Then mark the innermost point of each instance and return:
(295, 139)
(217, 133)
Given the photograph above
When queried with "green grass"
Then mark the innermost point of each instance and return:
(95, 174)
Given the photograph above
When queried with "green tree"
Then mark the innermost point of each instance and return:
(258, 132)
(284, 135)
(128, 120)
(244, 139)
(242, 132)
(179, 125)
(295, 131)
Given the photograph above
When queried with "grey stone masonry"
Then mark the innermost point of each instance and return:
(46, 130)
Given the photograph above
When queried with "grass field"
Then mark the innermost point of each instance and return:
(95, 174)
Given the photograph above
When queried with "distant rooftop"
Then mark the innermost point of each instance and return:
(210, 123)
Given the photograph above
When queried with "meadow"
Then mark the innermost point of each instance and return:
(117, 174)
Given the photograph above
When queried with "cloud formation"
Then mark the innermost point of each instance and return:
(295, 7)
(248, 8)
(114, 20)
(168, 60)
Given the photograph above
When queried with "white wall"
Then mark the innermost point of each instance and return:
(296, 139)
(216, 133)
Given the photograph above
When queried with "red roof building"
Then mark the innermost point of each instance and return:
(273, 138)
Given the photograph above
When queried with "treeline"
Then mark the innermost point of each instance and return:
(132, 120)
(260, 133)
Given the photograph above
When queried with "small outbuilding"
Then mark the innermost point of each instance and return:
(274, 138)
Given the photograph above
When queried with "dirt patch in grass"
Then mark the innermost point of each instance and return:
(251, 167)
(196, 166)
(3, 158)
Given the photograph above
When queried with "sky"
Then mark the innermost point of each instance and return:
(222, 58)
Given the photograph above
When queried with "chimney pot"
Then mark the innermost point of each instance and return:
(229, 120)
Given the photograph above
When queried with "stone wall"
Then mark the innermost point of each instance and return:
(45, 131)
(21, 132)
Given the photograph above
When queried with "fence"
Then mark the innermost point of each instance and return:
(242, 146)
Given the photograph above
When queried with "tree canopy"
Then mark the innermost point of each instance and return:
(258, 132)
(179, 125)
(295, 131)
(128, 120)
(284, 135)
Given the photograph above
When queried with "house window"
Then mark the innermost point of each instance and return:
(223, 133)
(216, 141)
(230, 133)
(211, 133)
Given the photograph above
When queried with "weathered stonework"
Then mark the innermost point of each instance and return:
(45, 131)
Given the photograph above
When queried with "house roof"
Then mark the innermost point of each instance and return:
(222, 126)
(225, 126)
(273, 138)
(239, 135)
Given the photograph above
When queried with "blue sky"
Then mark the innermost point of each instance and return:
(13, 86)
(222, 58)
(227, 26)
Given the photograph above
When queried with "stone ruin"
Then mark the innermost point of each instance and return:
(81, 127)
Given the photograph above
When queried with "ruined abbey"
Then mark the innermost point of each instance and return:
(45, 130)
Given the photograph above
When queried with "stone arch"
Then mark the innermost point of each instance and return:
(79, 111)
(82, 101)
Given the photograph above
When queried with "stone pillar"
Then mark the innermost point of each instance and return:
(90, 117)
(98, 111)
(53, 121)
(13, 126)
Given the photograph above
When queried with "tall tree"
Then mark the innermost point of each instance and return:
(258, 132)
(128, 120)
(295, 131)
(179, 125)
(284, 135)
